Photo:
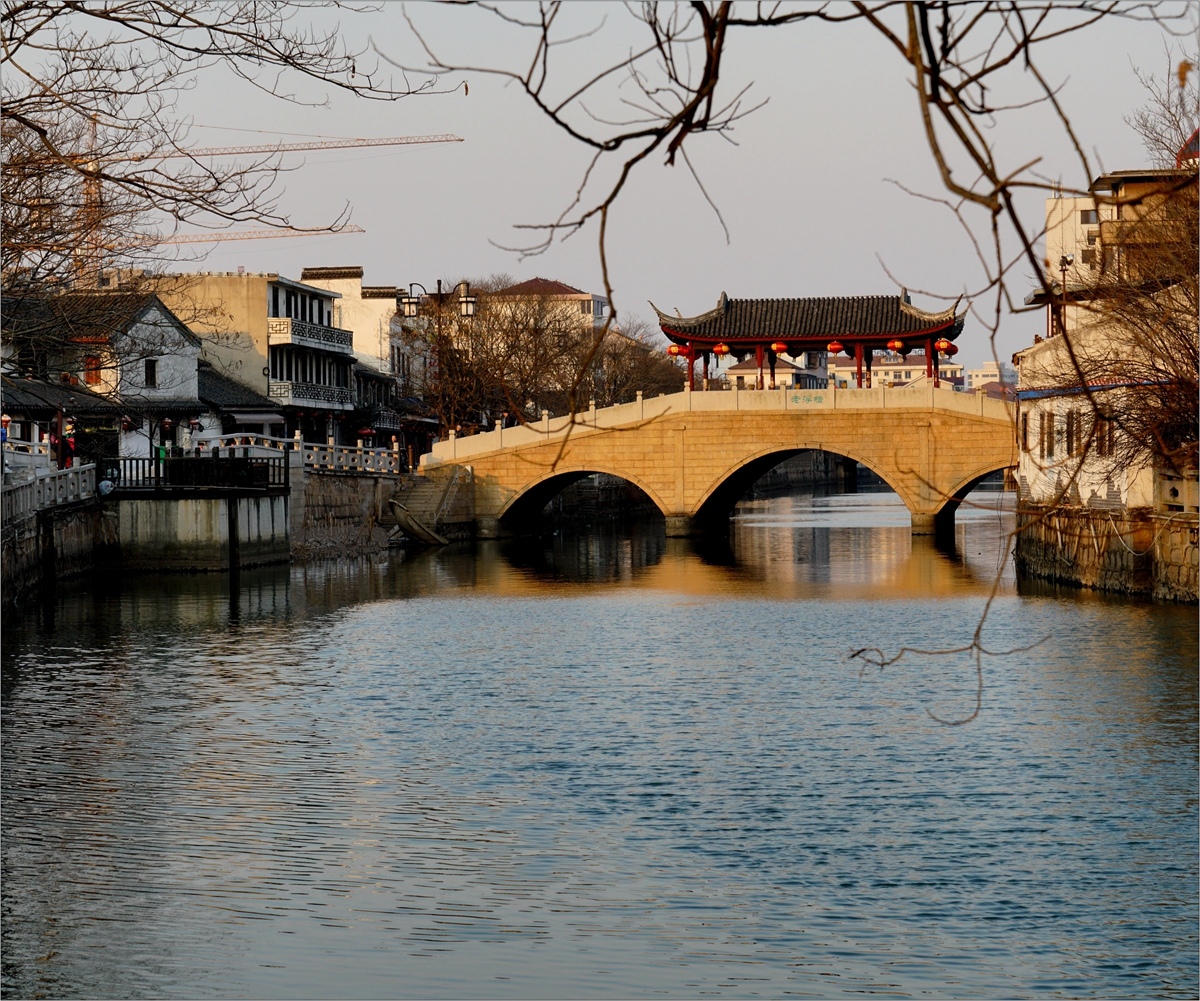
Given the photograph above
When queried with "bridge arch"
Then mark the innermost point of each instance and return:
(524, 506)
(950, 503)
(722, 495)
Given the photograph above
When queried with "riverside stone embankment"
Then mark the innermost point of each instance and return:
(1128, 552)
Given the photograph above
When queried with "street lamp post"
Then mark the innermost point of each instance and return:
(410, 307)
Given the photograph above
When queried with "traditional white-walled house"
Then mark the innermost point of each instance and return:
(125, 346)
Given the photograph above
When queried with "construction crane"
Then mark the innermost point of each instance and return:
(92, 212)
(297, 147)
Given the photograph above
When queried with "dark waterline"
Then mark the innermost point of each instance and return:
(604, 763)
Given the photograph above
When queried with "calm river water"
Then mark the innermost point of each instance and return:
(609, 764)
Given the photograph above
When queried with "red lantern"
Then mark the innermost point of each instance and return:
(721, 350)
(896, 346)
(951, 350)
(833, 347)
(779, 347)
(942, 344)
(674, 350)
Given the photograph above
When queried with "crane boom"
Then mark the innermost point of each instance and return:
(296, 147)
(252, 234)
(155, 241)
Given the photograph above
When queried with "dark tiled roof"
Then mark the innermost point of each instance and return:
(223, 393)
(540, 286)
(344, 272)
(379, 292)
(86, 316)
(33, 396)
(825, 317)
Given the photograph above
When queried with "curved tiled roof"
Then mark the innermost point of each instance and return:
(307, 274)
(540, 286)
(867, 316)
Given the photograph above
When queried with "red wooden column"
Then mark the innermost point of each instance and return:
(691, 357)
(929, 357)
(870, 368)
(858, 362)
(758, 357)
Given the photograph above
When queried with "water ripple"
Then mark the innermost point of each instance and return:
(601, 768)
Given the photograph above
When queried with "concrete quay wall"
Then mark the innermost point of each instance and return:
(200, 533)
(1137, 552)
(49, 544)
(335, 512)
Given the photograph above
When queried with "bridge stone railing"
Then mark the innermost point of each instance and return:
(339, 458)
(31, 490)
(924, 397)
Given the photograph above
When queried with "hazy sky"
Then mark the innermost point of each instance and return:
(805, 193)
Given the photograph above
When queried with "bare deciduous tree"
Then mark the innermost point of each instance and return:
(95, 153)
(522, 354)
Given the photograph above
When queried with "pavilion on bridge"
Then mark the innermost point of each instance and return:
(764, 329)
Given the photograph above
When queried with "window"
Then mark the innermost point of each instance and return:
(151, 373)
(274, 300)
(1046, 435)
(1105, 437)
(1088, 257)
(1089, 217)
(1024, 432)
(91, 370)
(1071, 435)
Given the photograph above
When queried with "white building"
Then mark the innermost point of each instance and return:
(806, 371)
(368, 311)
(894, 370)
(591, 307)
(991, 371)
(1068, 446)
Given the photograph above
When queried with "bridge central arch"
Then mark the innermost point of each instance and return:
(717, 504)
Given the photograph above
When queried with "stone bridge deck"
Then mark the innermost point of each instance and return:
(695, 454)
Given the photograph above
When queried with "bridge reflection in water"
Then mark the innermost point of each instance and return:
(824, 547)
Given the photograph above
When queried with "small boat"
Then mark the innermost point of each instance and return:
(411, 527)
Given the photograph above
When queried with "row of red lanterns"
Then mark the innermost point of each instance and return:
(943, 345)
(721, 350)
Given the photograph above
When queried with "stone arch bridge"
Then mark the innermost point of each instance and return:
(695, 454)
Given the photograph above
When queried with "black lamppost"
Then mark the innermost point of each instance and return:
(410, 304)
